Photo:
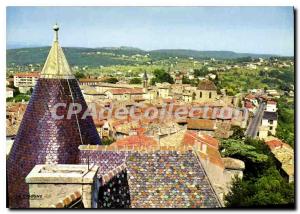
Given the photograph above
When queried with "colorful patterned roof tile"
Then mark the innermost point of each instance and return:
(168, 179)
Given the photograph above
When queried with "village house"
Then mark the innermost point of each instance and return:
(273, 93)
(10, 82)
(250, 102)
(25, 81)
(90, 94)
(178, 79)
(9, 92)
(284, 154)
(202, 125)
(106, 130)
(271, 106)
(206, 91)
(133, 94)
(163, 90)
(89, 81)
(270, 120)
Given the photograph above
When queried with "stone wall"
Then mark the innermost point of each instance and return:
(46, 195)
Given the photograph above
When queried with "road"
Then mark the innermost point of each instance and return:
(255, 122)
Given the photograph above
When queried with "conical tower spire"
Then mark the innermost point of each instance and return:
(42, 138)
(56, 65)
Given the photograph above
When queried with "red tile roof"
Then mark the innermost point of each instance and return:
(250, 97)
(28, 74)
(191, 138)
(90, 80)
(210, 140)
(207, 85)
(249, 105)
(127, 91)
(275, 143)
(136, 140)
(201, 124)
(68, 200)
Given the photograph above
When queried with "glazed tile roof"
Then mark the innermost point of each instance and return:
(106, 160)
(168, 179)
(43, 139)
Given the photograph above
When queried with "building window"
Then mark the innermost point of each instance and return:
(270, 121)
(271, 128)
(209, 95)
(200, 94)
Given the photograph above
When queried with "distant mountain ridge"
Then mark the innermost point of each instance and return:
(112, 55)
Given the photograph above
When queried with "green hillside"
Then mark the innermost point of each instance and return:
(116, 56)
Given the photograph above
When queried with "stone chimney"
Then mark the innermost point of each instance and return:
(58, 186)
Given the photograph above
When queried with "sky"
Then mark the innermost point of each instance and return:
(266, 30)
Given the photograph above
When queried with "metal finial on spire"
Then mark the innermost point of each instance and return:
(56, 65)
(56, 29)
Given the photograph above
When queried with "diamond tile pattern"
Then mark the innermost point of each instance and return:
(168, 179)
(42, 139)
(159, 179)
(115, 193)
(106, 160)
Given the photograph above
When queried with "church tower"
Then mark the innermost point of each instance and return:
(145, 80)
(43, 139)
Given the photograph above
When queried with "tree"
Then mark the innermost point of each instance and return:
(161, 76)
(135, 80)
(262, 184)
(285, 129)
(201, 72)
(185, 80)
(107, 141)
(111, 80)
(269, 190)
(238, 132)
(79, 75)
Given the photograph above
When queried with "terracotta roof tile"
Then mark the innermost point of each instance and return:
(28, 74)
(64, 203)
(207, 85)
(120, 91)
(201, 124)
(136, 140)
